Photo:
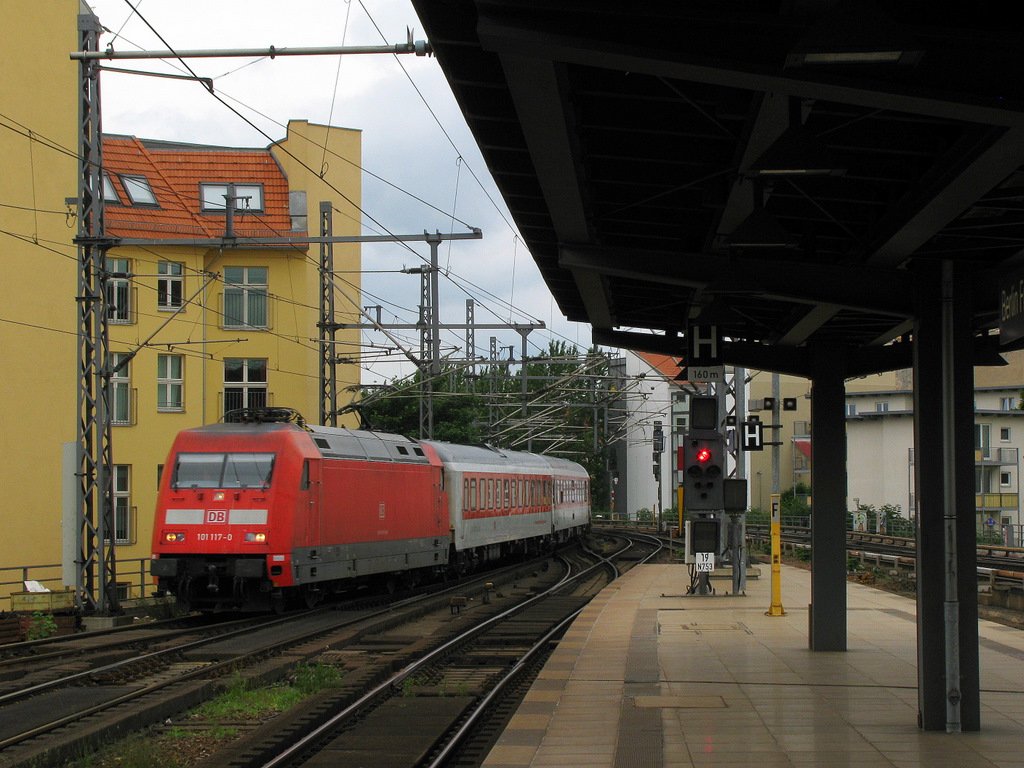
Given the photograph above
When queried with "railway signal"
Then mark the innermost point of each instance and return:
(704, 473)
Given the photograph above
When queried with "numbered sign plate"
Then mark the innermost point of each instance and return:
(705, 561)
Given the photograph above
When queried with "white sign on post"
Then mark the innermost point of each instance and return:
(704, 561)
(711, 373)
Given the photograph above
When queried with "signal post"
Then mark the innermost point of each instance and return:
(709, 495)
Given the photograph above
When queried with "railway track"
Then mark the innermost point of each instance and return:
(448, 704)
(436, 690)
(1007, 562)
(84, 692)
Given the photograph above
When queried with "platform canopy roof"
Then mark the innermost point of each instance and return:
(783, 170)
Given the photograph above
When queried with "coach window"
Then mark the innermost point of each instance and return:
(490, 494)
(465, 494)
(505, 496)
(472, 494)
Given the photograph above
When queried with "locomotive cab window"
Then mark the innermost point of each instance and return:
(223, 470)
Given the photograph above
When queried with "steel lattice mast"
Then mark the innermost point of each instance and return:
(95, 527)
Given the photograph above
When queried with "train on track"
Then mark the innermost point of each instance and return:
(265, 510)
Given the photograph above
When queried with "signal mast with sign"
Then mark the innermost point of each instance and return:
(708, 495)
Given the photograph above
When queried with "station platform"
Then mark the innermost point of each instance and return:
(647, 676)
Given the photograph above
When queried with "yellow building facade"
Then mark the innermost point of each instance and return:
(198, 324)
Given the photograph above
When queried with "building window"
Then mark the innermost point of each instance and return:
(851, 409)
(881, 407)
(1004, 434)
(120, 390)
(245, 297)
(983, 439)
(119, 291)
(248, 197)
(138, 190)
(245, 383)
(109, 193)
(1007, 403)
(122, 504)
(1005, 479)
(169, 284)
(170, 383)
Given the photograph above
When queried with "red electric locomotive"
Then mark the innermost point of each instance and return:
(251, 514)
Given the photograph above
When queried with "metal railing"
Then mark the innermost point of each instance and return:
(133, 579)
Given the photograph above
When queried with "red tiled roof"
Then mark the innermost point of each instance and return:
(663, 364)
(175, 173)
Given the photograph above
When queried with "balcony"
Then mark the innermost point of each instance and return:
(999, 457)
(994, 502)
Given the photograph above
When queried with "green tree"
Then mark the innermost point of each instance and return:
(459, 412)
(566, 394)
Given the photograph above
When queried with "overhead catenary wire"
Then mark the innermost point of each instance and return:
(37, 138)
(407, 76)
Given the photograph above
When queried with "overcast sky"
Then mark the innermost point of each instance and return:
(414, 137)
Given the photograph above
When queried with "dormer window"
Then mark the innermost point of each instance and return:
(138, 190)
(248, 197)
(109, 193)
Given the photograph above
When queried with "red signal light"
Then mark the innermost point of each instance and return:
(703, 455)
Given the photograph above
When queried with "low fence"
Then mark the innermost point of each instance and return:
(133, 579)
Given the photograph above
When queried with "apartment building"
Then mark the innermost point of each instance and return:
(198, 324)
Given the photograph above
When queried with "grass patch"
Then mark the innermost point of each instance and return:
(240, 702)
(207, 731)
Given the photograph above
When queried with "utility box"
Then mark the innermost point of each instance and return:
(46, 602)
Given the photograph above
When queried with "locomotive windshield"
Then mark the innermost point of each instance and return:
(223, 470)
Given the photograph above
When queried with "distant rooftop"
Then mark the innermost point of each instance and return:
(160, 189)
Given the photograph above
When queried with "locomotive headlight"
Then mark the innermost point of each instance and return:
(174, 537)
(256, 538)
(218, 496)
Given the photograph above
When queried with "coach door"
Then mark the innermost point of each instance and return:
(307, 508)
(440, 507)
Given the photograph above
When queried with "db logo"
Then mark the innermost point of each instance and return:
(216, 515)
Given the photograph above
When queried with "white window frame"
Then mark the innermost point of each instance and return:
(248, 197)
(851, 409)
(170, 285)
(1005, 479)
(170, 383)
(882, 407)
(120, 391)
(139, 190)
(121, 484)
(1007, 403)
(244, 392)
(1004, 434)
(119, 291)
(250, 294)
(110, 191)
